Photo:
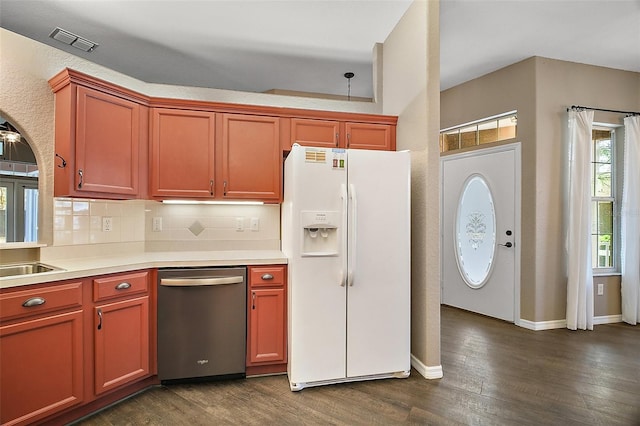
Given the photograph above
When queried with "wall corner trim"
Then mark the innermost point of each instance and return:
(428, 372)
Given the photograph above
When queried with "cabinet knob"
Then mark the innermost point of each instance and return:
(34, 301)
(267, 277)
(123, 286)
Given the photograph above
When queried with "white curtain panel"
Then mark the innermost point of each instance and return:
(630, 222)
(580, 275)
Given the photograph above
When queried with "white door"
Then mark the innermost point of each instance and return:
(480, 231)
(379, 263)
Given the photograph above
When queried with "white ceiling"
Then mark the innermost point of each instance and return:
(308, 45)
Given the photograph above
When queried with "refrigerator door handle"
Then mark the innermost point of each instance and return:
(345, 203)
(351, 243)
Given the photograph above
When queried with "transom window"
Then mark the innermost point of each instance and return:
(491, 129)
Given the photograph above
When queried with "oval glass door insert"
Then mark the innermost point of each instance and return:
(475, 232)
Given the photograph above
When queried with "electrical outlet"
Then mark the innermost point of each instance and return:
(255, 224)
(239, 224)
(600, 289)
(157, 224)
(107, 223)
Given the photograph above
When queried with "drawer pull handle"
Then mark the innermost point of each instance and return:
(123, 286)
(34, 301)
(267, 277)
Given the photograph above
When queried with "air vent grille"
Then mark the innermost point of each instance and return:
(67, 37)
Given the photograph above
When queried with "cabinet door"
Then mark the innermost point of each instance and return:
(182, 153)
(308, 132)
(41, 368)
(267, 326)
(121, 346)
(107, 144)
(251, 157)
(370, 136)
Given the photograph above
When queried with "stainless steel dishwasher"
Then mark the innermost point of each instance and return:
(202, 323)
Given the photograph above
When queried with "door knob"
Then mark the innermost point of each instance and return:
(507, 244)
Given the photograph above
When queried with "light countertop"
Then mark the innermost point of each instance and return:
(100, 265)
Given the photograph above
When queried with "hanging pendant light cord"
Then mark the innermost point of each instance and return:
(349, 76)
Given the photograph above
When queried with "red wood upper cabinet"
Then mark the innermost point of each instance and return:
(98, 144)
(342, 134)
(182, 153)
(370, 136)
(309, 132)
(251, 160)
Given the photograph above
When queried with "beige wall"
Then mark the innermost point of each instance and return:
(511, 88)
(560, 84)
(411, 90)
(541, 89)
(609, 303)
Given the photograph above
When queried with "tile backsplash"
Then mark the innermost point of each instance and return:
(215, 227)
(80, 221)
(166, 226)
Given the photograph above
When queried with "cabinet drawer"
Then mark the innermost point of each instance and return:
(41, 300)
(110, 287)
(266, 276)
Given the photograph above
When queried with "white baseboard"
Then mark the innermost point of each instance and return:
(542, 325)
(426, 371)
(607, 319)
(549, 325)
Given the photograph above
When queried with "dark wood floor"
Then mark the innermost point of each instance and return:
(494, 374)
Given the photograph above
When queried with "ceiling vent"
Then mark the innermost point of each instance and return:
(73, 40)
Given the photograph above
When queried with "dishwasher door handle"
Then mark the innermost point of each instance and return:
(196, 282)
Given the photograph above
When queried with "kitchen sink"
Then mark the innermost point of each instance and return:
(25, 269)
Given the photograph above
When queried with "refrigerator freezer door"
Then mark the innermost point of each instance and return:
(317, 295)
(378, 297)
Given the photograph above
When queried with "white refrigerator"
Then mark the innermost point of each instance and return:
(346, 234)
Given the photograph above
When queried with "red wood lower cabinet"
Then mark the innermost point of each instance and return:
(267, 323)
(57, 363)
(121, 343)
(267, 332)
(41, 367)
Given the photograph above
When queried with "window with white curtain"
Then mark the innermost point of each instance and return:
(605, 193)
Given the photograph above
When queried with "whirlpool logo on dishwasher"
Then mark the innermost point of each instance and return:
(202, 361)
